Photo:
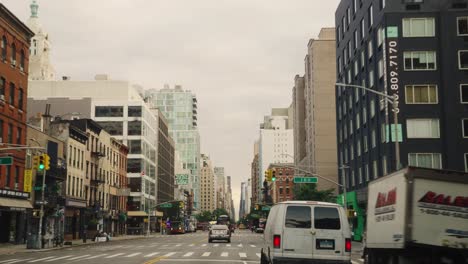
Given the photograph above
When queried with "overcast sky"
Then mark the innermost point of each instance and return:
(239, 56)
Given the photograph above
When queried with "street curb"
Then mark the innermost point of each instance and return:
(24, 250)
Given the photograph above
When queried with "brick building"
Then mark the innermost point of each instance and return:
(14, 53)
(282, 189)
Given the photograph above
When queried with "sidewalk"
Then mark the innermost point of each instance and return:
(9, 249)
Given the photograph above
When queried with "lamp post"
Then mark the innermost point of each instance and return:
(393, 99)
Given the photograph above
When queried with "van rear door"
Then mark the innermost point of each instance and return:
(329, 240)
(297, 237)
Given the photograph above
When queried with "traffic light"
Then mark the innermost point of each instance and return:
(46, 162)
(35, 161)
(273, 175)
(268, 175)
(40, 164)
(351, 213)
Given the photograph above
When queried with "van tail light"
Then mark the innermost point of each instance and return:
(348, 245)
(276, 241)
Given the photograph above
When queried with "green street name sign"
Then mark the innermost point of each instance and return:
(182, 179)
(166, 205)
(266, 208)
(6, 160)
(305, 179)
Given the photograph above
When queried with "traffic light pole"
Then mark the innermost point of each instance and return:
(41, 212)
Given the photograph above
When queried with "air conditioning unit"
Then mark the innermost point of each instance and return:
(16, 186)
(2, 97)
(13, 63)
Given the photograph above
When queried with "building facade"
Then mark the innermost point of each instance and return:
(282, 189)
(415, 50)
(276, 143)
(166, 158)
(180, 109)
(207, 186)
(220, 187)
(14, 64)
(242, 211)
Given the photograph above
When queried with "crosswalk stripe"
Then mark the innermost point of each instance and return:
(206, 254)
(240, 245)
(134, 254)
(178, 245)
(19, 260)
(170, 254)
(216, 245)
(224, 254)
(97, 256)
(253, 245)
(152, 254)
(84, 256)
(188, 254)
(3, 261)
(191, 245)
(37, 260)
(115, 255)
(228, 245)
(59, 258)
(242, 255)
(204, 245)
(258, 254)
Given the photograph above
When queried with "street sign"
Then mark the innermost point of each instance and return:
(182, 179)
(27, 181)
(266, 208)
(305, 179)
(166, 205)
(6, 160)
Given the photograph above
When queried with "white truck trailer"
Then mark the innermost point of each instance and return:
(419, 216)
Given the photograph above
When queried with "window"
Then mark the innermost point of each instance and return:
(366, 147)
(348, 15)
(381, 68)
(1, 130)
(363, 29)
(465, 127)
(7, 175)
(380, 36)
(109, 111)
(370, 15)
(372, 108)
(359, 147)
(338, 34)
(422, 128)
(463, 59)
(364, 115)
(4, 48)
(2, 86)
(134, 128)
(326, 218)
(17, 175)
(370, 49)
(363, 59)
(12, 94)
(356, 68)
(421, 60)
(462, 26)
(353, 180)
(425, 160)
(134, 111)
(21, 99)
(375, 169)
(10, 133)
(421, 94)
(466, 162)
(134, 146)
(351, 152)
(373, 138)
(358, 119)
(464, 93)
(355, 6)
(298, 217)
(350, 50)
(13, 54)
(343, 21)
(360, 175)
(356, 39)
(19, 133)
(383, 134)
(382, 4)
(22, 60)
(419, 27)
(384, 165)
(340, 64)
(371, 78)
(113, 128)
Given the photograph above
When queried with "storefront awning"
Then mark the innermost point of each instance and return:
(15, 203)
(136, 213)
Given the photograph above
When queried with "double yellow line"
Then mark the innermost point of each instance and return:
(152, 261)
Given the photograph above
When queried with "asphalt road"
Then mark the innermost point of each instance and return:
(187, 248)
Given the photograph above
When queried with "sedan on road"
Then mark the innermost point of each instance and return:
(219, 232)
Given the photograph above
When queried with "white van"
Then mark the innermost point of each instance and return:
(306, 231)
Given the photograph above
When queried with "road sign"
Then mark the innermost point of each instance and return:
(27, 181)
(6, 160)
(305, 179)
(182, 179)
(166, 205)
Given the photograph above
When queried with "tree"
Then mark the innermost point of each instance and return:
(219, 211)
(309, 192)
(204, 216)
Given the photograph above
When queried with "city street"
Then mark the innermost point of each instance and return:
(187, 248)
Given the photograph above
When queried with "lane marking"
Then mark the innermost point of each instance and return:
(191, 245)
(224, 254)
(206, 254)
(228, 245)
(3, 261)
(84, 256)
(242, 255)
(59, 258)
(240, 245)
(170, 254)
(216, 245)
(115, 255)
(178, 245)
(258, 254)
(253, 245)
(204, 245)
(188, 254)
(19, 260)
(37, 260)
(134, 254)
(152, 254)
(152, 261)
(97, 256)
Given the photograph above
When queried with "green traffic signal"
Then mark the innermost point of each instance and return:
(41, 166)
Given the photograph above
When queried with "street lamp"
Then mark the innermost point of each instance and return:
(393, 99)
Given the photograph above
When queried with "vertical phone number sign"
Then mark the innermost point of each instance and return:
(393, 62)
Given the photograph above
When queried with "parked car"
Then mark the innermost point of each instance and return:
(306, 231)
(219, 232)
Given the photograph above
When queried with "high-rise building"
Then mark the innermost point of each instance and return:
(120, 110)
(180, 109)
(207, 185)
(166, 158)
(229, 201)
(15, 40)
(254, 175)
(276, 143)
(415, 50)
(220, 187)
(314, 111)
(242, 200)
(248, 196)
(40, 66)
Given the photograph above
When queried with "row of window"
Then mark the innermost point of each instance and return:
(117, 111)
(11, 137)
(11, 93)
(13, 54)
(12, 176)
